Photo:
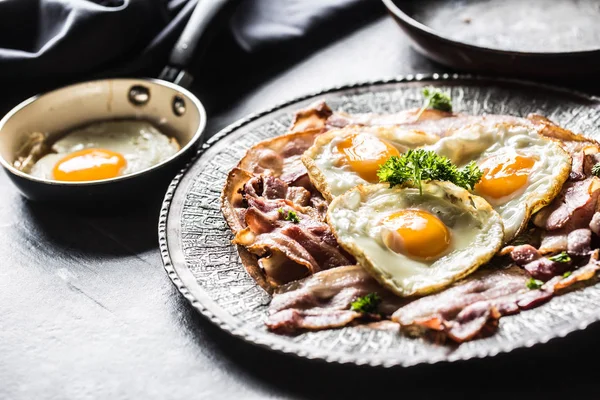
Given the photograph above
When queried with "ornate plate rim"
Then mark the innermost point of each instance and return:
(338, 358)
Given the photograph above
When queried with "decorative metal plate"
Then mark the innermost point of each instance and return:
(199, 258)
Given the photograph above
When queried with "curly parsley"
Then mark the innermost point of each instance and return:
(560, 257)
(417, 165)
(596, 170)
(366, 304)
(534, 284)
(436, 99)
(290, 216)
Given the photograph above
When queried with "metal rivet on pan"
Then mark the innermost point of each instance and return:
(178, 106)
(139, 95)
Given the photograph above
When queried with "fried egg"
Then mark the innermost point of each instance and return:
(105, 150)
(416, 244)
(522, 171)
(344, 158)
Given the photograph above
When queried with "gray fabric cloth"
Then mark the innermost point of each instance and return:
(259, 24)
(71, 38)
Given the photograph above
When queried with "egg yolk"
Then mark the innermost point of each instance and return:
(364, 153)
(89, 165)
(503, 176)
(416, 233)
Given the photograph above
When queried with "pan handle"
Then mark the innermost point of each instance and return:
(207, 13)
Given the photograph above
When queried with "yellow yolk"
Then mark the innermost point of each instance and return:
(364, 153)
(504, 176)
(416, 233)
(89, 165)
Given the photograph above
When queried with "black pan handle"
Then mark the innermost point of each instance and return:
(207, 14)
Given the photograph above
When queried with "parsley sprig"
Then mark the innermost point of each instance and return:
(534, 284)
(290, 216)
(436, 100)
(367, 304)
(596, 170)
(417, 165)
(560, 257)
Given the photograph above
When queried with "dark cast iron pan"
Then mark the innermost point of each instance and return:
(533, 38)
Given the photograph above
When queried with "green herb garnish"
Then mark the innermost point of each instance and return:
(567, 274)
(291, 216)
(560, 257)
(436, 100)
(417, 165)
(534, 284)
(366, 304)
(596, 170)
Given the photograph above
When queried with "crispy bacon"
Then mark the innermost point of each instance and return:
(553, 242)
(312, 117)
(465, 309)
(272, 188)
(581, 274)
(595, 223)
(576, 243)
(473, 306)
(571, 141)
(579, 242)
(545, 269)
(522, 254)
(559, 283)
(290, 321)
(280, 156)
(578, 166)
(573, 208)
(308, 242)
(323, 300)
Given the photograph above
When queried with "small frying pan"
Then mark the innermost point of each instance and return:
(534, 38)
(164, 102)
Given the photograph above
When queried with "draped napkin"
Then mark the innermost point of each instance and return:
(42, 39)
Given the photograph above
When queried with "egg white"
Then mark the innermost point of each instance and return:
(548, 174)
(332, 177)
(139, 142)
(476, 229)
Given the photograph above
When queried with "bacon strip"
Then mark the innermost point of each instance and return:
(307, 242)
(280, 156)
(573, 208)
(522, 254)
(323, 300)
(465, 309)
(545, 269)
(311, 118)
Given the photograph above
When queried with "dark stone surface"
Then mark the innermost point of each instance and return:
(87, 311)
